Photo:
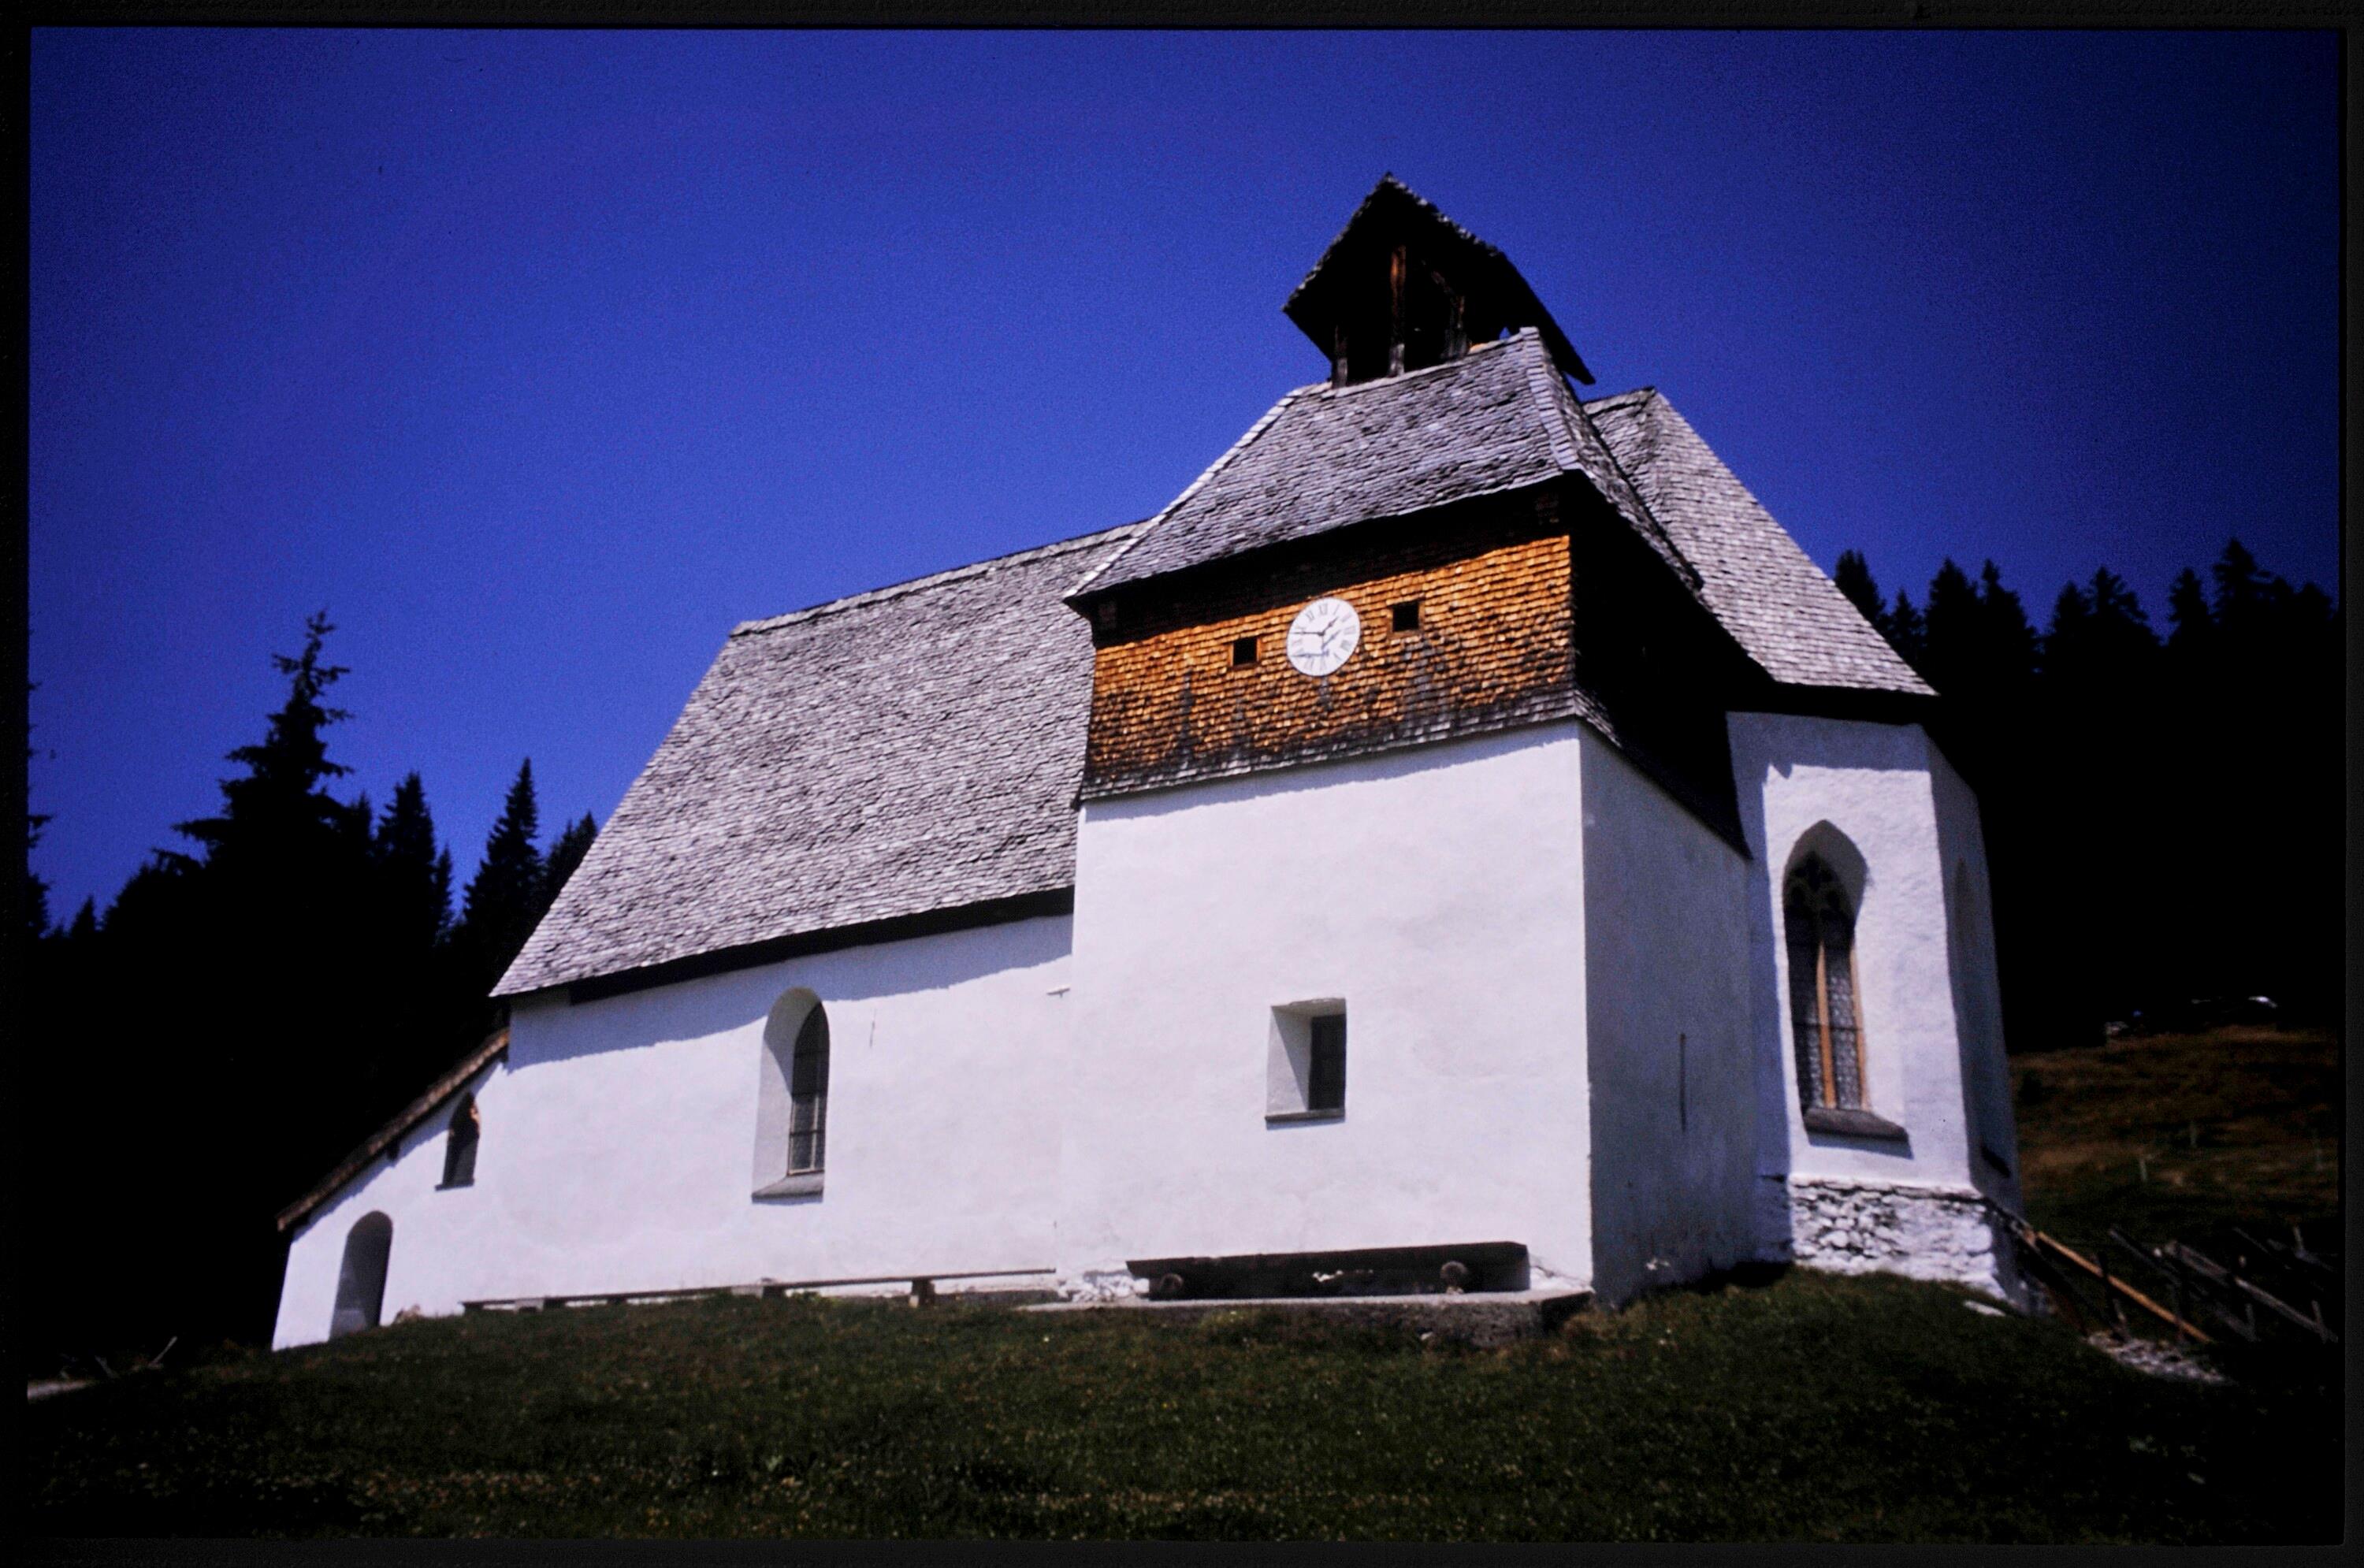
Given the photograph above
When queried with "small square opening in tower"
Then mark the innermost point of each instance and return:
(1406, 616)
(1244, 651)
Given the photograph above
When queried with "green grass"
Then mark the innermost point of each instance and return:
(1812, 1408)
(2183, 1135)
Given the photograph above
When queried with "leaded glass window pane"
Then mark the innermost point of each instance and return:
(1825, 1023)
(808, 1094)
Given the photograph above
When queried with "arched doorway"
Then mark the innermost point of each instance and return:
(361, 1282)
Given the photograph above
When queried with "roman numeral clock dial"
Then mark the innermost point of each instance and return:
(1323, 636)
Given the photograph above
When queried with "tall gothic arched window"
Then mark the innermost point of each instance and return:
(1824, 1019)
(808, 1094)
(792, 1098)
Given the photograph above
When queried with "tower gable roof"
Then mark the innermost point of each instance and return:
(1325, 457)
(1778, 605)
(916, 749)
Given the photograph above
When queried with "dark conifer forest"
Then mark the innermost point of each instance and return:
(248, 1010)
(2162, 810)
(2162, 806)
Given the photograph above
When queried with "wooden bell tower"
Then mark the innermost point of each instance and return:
(1403, 287)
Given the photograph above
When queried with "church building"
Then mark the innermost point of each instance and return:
(1461, 842)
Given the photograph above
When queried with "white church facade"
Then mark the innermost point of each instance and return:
(1462, 839)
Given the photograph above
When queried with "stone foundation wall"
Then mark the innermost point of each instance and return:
(1853, 1227)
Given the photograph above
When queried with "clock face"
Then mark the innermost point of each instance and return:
(1323, 636)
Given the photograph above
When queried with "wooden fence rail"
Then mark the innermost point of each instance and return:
(2230, 1297)
(2232, 1280)
(2109, 1282)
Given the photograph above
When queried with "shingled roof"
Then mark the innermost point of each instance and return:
(1769, 593)
(1498, 418)
(896, 753)
(916, 749)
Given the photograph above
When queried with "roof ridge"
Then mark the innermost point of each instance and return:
(1650, 431)
(934, 579)
(1641, 517)
(1381, 383)
(1664, 537)
(1150, 523)
(1632, 394)
(1544, 381)
(1783, 543)
(1388, 178)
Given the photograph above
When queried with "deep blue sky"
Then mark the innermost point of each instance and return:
(540, 360)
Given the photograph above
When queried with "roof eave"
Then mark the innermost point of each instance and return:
(1876, 704)
(495, 1045)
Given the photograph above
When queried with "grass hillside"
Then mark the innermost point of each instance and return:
(2183, 1135)
(1812, 1408)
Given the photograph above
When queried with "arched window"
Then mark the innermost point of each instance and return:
(792, 1098)
(360, 1282)
(1824, 1019)
(808, 1094)
(460, 1144)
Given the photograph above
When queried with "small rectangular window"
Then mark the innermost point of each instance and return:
(1305, 1071)
(1326, 1088)
(1406, 616)
(1244, 651)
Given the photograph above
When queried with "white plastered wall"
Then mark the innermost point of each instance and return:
(1888, 812)
(1439, 894)
(618, 1137)
(430, 1223)
(1977, 985)
(1673, 1080)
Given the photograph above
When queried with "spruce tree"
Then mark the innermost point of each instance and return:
(1908, 632)
(2188, 615)
(2068, 642)
(37, 890)
(503, 899)
(2122, 642)
(565, 854)
(1953, 634)
(250, 1004)
(2244, 595)
(2006, 643)
(415, 876)
(279, 811)
(1854, 580)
